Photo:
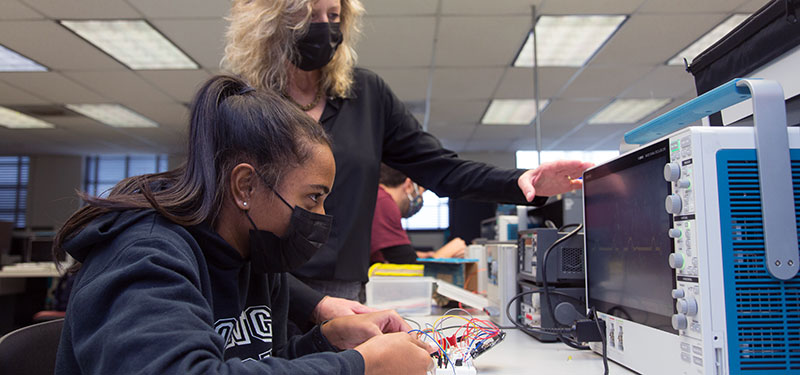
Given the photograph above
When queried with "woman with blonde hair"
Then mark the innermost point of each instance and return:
(305, 50)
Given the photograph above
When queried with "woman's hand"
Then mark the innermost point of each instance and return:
(347, 332)
(396, 353)
(553, 178)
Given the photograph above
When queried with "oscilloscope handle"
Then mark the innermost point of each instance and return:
(680, 117)
(774, 177)
(772, 150)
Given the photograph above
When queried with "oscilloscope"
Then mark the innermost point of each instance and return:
(691, 242)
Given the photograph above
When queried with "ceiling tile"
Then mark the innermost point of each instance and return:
(396, 41)
(663, 82)
(653, 39)
(452, 112)
(15, 10)
(181, 85)
(507, 132)
(604, 82)
(120, 87)
(173, 115)
(528, 144)
(517, 83)
(487, 145)
(409, 84)
(84, 9)
(182, 8)
(399, 8)
(461, 132)
(465, 83)
(480, 41)
(202, 39)
(485, 8)
(53, 87)
(10, 95)
(54, 46)
(561, 116)
(590, 7)
(681, 6)
(456, 145)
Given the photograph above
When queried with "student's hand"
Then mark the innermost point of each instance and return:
(347, 332)
(453, 249)
(425, 254)
(396, 353)
(332, 307)
(552, 178)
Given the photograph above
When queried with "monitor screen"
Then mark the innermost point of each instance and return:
(627, 246)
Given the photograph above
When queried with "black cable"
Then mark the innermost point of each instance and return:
(544, 265)
(605, 345)
(547, 291)
(548, 331)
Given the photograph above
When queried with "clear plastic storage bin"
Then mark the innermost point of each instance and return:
(407, 295)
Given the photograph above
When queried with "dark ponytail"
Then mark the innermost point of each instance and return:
(230, 123)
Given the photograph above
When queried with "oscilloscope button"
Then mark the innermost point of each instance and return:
(679, 321)
(672, 171)
(677, 260)
(673, 204)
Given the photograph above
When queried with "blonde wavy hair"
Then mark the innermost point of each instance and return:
(261, 36)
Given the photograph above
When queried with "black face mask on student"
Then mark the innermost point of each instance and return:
(307, 232)
(316, 48)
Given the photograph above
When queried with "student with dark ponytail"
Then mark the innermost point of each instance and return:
(185, 272)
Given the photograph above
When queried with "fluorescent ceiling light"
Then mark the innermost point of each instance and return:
(627, 111)
(132, 42)
(567, 40)
(16, 120)
(113, 115)
(512, 111)
(11, 61)
(707, 40)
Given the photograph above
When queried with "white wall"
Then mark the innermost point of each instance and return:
(52, 182)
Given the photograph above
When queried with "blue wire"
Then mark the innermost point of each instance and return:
(452, 366)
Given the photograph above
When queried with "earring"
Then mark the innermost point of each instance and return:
(244, 204)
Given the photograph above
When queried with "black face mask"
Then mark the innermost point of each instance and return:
(316, 48)
(307, 232)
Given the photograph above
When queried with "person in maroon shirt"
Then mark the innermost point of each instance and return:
(399, 197)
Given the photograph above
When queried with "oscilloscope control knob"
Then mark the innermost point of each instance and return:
(687, 306)
(673, 204)
(677, 260)
(679, 321)
(678, 293)
(672, 171)
(675, 233)
(684, 183)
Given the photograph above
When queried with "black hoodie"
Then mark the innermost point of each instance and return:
(154, 297)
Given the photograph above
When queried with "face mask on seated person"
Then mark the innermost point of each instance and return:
(414, 202)
(306, 233)
(315, 49)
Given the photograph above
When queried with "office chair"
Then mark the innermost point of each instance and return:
(32, 349)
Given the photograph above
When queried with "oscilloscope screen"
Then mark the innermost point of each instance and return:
(627, 246)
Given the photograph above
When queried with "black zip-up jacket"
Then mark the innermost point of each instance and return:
(153, 297)
(372, 126)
